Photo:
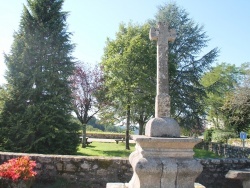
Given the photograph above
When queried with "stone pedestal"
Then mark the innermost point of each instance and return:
(162, 159)
(164, 162)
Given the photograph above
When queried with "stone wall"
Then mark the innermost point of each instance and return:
(214, 171)
(95, 172)
(225, 150)
(238, 142)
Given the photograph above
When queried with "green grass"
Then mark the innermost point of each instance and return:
(101, 132)
(103, 149)
(199, 153)
(106, 149)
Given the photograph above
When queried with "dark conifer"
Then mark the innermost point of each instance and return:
(36, 118)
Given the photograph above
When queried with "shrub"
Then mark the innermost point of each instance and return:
(222, 136)
(208, 135)
(18, 169)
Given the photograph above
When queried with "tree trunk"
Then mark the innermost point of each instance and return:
(84, 136)
(141, 128)
(141, 123)
(127, 127)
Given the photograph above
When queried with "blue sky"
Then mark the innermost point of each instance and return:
(226, 22)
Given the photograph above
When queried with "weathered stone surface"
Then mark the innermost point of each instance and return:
(124, 185)
(162, 127)
(85, 165)
(49, 167)
(163, 35)
(162, 105)
(166, 147)
(59, 166)
(242, 174)
(198, 185)
(70, 167)
(164, 162)
(115, 185)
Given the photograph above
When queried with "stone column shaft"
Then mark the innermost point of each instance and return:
(162, 100)
(162, 34)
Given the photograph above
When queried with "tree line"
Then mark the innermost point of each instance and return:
(46, 85)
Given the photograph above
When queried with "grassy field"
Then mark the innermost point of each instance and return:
(118, 150)
(202, 154)
(106, 149)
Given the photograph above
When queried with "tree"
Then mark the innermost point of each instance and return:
(3, 96)
(219, 82)
(86, 83)
(37, 116)
(236, 108)
(127, 65)
(186, 65)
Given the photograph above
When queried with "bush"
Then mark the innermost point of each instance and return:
(17, 169)
(90, 128)
(222, 136)
(208, 135)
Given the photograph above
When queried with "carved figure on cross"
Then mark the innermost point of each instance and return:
(162, 35)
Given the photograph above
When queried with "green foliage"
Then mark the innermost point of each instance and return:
(208, 135)
(219, 82)
(127, 66)
(90, 128)
(236, 108)
(222, 136)
(95, 124)
(3, 96)
(112, 128)
(37, 115)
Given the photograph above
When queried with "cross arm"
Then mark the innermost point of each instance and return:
(153, 33)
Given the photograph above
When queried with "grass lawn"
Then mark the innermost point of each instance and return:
(199, 153)
(106, 149)
(118, 150)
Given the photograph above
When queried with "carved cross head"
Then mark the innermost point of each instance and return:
(162, 33)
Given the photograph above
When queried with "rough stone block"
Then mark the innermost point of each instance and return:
(162, 127)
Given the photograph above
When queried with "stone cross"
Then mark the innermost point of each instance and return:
(162, 35)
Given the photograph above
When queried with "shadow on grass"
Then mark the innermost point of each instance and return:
(90, 146)
(82, 154)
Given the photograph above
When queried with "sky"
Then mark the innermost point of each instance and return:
(226, 23)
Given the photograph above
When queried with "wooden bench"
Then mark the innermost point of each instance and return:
(118, 140)
(87, 142)
(241, 174)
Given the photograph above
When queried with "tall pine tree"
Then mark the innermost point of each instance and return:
(36, 117)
